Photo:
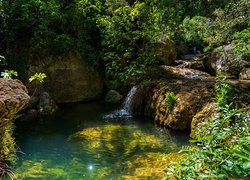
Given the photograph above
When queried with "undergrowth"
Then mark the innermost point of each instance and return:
(222, 148)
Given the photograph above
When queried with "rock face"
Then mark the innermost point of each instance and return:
(13, 97)
(69, 78)
(223, 59)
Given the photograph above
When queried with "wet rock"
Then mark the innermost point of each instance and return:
(191, 64)
(245, 74)
(223, 59)
(46, 105)
(184, 73)
(113, 97)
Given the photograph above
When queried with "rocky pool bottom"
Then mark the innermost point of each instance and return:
(94, 141)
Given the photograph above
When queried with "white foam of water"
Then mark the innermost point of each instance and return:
(129, 99)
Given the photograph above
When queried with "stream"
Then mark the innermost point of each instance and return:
(93, 141)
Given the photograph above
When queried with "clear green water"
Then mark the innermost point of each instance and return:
(92, 141)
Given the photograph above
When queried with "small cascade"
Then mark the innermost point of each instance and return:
(125, 111)
(129, 100)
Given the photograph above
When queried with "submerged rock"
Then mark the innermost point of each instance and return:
(150, 165)
(104, 138)
(30, 169)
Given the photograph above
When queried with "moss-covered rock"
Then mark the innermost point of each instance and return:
(113, 97)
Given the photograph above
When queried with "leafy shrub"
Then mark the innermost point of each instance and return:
(242, 43)
(222, 146)
(170, 100)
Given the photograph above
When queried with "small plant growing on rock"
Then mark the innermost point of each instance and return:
(170, 99)
(7, 74)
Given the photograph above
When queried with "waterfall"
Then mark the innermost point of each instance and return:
(125, 111)
(127, 105)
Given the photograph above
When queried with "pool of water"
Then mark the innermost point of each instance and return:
(93, 141)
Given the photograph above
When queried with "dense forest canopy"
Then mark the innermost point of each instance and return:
(119, 35)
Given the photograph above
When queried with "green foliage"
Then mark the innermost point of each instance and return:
(242, 43)
(2, 58)
(194, 30)
(7, 74)
(223, 91)
(222, 146)
(38, 76)
(220, 29)
(170, 99)
(128, 35)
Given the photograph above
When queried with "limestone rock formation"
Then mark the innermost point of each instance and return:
(13, 97)
(69, 78)
(195, 102)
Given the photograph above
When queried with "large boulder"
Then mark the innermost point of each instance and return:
(165, 52)
(223, 59)
(69, 78)
(113, 97)
(13, 97)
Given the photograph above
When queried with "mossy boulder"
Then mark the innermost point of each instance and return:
(113, 97)
(223, 59)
